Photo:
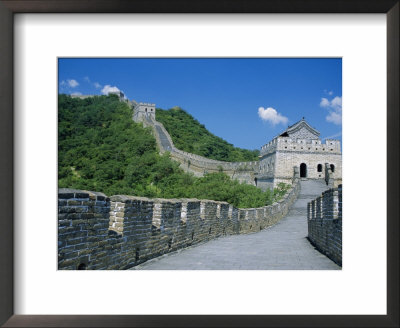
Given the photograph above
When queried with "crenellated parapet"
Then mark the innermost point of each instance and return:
(143, 111)
(119, 232)
(288, 144)
(298, 146)
(325, 223)
(199, 165)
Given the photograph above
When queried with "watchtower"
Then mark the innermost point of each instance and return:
(299, 145)
(143, 111)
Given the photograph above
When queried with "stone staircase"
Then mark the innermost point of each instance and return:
(310, 189)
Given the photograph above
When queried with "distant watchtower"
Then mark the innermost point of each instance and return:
(143, 111)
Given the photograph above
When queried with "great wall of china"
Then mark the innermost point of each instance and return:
(325, 223)
(199, 165)
(96, 231)
(119, 232)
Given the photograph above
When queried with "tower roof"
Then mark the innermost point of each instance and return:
(296, 127)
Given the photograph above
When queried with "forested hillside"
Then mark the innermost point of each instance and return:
(101, 149)
(191, 136)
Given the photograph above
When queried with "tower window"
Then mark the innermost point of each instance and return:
(332, 168)
(319, 168)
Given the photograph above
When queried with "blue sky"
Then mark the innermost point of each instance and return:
(245, 101)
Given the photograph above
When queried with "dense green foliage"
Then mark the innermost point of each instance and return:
(191, 136)
(100, 148)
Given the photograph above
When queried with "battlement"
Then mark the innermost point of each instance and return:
(120, 95)
(199, 165)
(146, 104)
(120, 232)
(144, 111)
(299, 145)
(302, 145)
(82, 96)
(325, 223)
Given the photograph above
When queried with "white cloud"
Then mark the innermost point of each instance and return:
(330, 93)
(324, 102)
(108, 88)
(271, 115)
(335, 118)
(335, 109)
(76, 94)
(337, 102)
(72, 83)
(86, 78)
(63, 83)
(97, 85)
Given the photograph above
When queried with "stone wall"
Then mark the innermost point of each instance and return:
(199, 165)
(280, 155)
(141, 111)
(119, 232)
(325, 223)
(277, 159)
(285, 161)
(330, 146)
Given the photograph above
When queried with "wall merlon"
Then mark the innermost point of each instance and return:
(324, 217)
(127, 230)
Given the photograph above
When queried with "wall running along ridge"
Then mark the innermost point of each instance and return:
(97, 232)
(325, 223)
(199, 165)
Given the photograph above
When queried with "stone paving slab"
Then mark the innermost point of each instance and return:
(283, 246)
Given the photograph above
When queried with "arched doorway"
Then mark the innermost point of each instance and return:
(332, 168)
(82, 266)
(303, 170)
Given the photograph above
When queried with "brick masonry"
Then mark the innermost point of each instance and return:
(119, 232)
(199, 165)
(325, 223)
(300, 146)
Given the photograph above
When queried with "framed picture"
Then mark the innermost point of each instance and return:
(225, 292)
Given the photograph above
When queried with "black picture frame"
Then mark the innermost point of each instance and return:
(8, 199)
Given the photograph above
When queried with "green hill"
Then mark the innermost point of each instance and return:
(101, 149)
(191, 136)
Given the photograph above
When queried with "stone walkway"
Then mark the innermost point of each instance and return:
(283, 246)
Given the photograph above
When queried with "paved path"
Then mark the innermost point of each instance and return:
(166, 145)
(281, 247)
(163, 138)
